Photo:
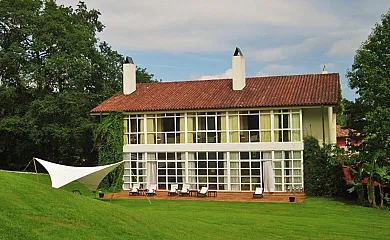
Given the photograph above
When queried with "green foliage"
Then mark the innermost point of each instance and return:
(54, 70)
(323, 176)
(108, 138)
(370, 114)
(31, 210)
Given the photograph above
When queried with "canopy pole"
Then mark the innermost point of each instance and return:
(117, 181)
(36, 172)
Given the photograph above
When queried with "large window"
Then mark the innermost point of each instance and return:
(170, 169)
(167, 128)
(288, 171)
(287, 126)
(208, 169)
(236, 171)
(134, 170)
(252, 126)
(207, 127)
(245, 171)
(133, 129)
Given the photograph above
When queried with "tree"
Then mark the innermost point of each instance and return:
(370, 76)
(54, 69)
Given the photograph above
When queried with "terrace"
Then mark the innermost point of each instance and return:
(221, 197)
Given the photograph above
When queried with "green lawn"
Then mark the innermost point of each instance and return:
(31, 210)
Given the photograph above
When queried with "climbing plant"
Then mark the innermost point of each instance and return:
(109, 143)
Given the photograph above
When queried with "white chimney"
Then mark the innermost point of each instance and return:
(129, 80)
(238, 66)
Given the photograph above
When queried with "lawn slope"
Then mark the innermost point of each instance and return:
(31, 210)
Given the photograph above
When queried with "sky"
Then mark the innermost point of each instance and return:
(185, 40)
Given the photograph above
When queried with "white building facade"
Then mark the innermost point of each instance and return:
(228, 135)
(223, 150)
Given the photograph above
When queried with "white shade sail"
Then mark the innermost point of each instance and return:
(91, 177)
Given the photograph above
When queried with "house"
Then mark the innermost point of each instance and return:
(344, 139)
(227, 134)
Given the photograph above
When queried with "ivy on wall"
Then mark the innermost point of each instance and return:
(109, 143)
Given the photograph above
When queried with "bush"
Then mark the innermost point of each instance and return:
(321, 176)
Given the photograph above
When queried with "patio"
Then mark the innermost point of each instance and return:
(220, 196)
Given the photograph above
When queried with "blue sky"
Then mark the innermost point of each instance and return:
(184, 40)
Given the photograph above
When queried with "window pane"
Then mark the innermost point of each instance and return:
(254, 136)
(210, 123)
(244, 164)
(253, 122)
(297, 154)
(201, 155)
(233, 122)
(295, 121)
(212, 155)
(202, 123)
(244, 137)
(255, 155)
(265, 122)
(212, 164)
(244, 155)
(286, 121)
(211, 137)
(244, 122)
(202, 164)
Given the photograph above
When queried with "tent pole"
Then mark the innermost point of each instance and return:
(36, 172)
(117, 181)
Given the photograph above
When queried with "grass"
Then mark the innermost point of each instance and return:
(31, 210)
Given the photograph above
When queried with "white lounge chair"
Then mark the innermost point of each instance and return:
(152, 190)
(185, 190)
(202, 192)
(173, 190)
(134, 189)
(258, 193)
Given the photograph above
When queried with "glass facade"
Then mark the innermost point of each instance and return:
(225, 171)
(222, 169)
(214, 127)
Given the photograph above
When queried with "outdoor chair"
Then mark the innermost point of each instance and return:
(185, 190)
(202, 192)
(135, 189)
(151, 190)
(173, 190)
(258, 193)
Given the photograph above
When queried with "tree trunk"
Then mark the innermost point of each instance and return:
(371, 193)
(360, 194)
(381, 196)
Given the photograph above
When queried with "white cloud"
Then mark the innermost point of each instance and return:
(345, 47)
(227, 74)
(287, 51)
(275, 69)
(203, 25)
(268, 31)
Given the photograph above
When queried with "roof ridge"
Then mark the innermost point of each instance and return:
(254, 77)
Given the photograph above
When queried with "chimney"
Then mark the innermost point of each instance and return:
(129, 80)
(238, 67)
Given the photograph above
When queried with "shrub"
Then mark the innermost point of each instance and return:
(322, 177)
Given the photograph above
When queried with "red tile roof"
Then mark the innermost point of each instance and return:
(341, 132)
(274, 91)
